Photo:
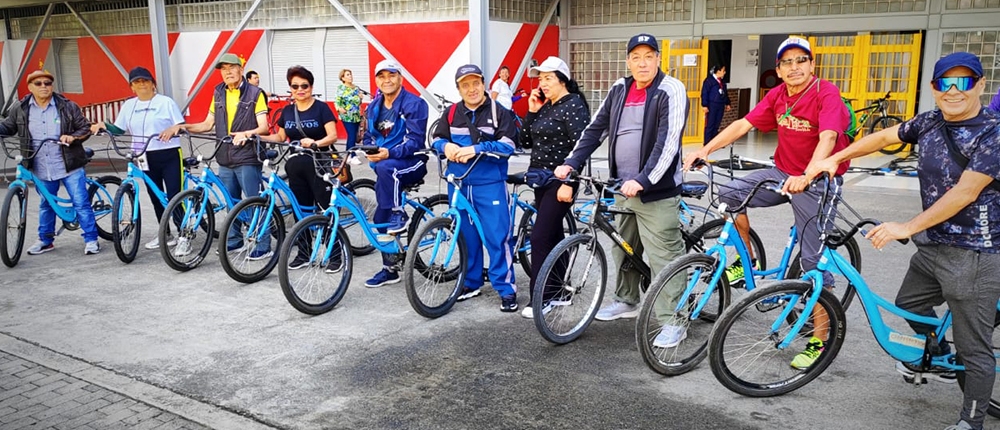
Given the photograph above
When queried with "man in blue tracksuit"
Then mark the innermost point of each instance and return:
(475, 125)
(397, 124)
(714, 101)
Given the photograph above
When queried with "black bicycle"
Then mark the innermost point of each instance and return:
(876, 116)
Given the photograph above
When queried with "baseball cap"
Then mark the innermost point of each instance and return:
(387, 65)
(958, 59)
(793, 42)
(37, 74)
(466, 70)
(140, 73)
(551, 64)
(643, 39)
(229, 58)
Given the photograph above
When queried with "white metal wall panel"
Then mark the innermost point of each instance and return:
(70, 77)
(290, 48)
(345, 48)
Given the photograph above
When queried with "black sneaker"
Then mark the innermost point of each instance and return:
(468, 293)
(937, 373)
(508, 303)
(299, 262)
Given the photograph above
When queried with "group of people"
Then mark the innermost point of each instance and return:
(642, 117)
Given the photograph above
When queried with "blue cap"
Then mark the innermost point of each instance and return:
(140, 73)
(466, 70)
(643, 39)
(958, 59)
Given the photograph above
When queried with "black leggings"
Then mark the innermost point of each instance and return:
(548, 228)
(309, 189)
(165, 171)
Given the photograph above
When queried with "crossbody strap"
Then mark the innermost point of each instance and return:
(957, 155)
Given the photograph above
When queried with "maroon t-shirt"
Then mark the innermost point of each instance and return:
(815, 109)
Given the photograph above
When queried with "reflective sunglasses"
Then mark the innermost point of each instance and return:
(297, 86)
(962, 83)
(43, 83)
(797, 60)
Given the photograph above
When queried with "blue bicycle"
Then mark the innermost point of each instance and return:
(13, 215)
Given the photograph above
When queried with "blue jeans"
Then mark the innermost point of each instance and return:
(352, 133)
(245, 180)
(76, 186)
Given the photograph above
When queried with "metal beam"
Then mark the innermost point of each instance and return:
(161, 49)
(24, 65)
(225, 48)
(427, 95)
(479, 18)
(534, 43)
(100, 43)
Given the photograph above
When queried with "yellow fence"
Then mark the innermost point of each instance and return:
(686, 60)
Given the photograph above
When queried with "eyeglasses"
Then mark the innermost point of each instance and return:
(797, 60)
(43, 83)
(297, 86)
(962, 83)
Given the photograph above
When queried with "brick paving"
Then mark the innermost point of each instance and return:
(36, 397)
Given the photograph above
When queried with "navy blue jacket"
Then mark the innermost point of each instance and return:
(714, 94)
(408, 134)
(492, 138)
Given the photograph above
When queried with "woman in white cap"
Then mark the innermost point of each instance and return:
(557, 115)
(151, 114)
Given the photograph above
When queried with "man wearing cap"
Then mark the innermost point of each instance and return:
(239, 110)
(397, 125)
(44, 115)
(473, 126)
(810, 118)
(643, 117)
(957, 260)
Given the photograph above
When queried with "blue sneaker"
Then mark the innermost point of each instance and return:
(508, 303)
(383, 277)
(260, 255)
(397, 222)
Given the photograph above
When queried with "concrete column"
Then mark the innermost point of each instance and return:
(161, 49)
(479, 17)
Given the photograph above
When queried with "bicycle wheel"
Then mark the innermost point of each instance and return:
(126, 223)
(706, 235)
(743, 348)
(845, 293)
(196, 220)
(694, 216)
(690, 271)
(364, 190)
(569, 288)
(433, 291)
(101, 200)
(524, 227)
(437, 204)
(12, 221)
(311, 278)
(882, 124)
(248, 220)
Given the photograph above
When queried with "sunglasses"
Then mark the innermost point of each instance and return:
(43, 83)
(297, 86)
(962, 83)
(797, 60)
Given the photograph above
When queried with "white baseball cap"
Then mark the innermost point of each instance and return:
(387, 65)
(551, 64)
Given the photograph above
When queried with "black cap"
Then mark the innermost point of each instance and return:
(140, 73)
(643, 39)
(466, 70)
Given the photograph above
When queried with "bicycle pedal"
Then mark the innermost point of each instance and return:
(915, 380)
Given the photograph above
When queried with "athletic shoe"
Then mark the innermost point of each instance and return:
(734, 273)
(383, 277)
(961, 425)
(670, 336)
(937, 373)
(260, 255)
(508, 303)
(397, 222)
(41, 248)
(336, 264)
(467, 293)
(809, 355)
(91, 248)
(183, 248)
(155, 243)
(299, 262)
(617, 310)
(552, 304)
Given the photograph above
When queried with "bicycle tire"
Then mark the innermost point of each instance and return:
(564, 322)
(101, 200)
(126, 229)
(883, 123)
(314, 233)
(704, 236)
(853, 256)
(683, 357)
(424, 294)
(420, 217)
(197, 234)
(364, 190)
(756, 312)
(238, 264)
(524, 227)
(11, 255)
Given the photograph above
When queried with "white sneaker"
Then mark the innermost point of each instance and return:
(670, 336)
(527, 313)
(91, 248)
(183, 248)
(155, 243)
(617, 310)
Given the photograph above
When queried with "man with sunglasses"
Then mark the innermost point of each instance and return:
(956, 260)
(810, 118)
(45, 114)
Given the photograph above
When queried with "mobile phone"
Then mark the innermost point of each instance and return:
(369, 149)
(541, 95)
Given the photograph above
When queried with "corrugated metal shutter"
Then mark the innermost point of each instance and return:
(70, 78)
(345, 48)
(290, 48)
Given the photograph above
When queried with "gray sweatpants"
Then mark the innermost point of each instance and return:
(805, 206)
(970, 282)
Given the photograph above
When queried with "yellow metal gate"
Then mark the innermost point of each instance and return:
(686, 61)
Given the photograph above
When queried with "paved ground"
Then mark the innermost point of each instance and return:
(221, 354)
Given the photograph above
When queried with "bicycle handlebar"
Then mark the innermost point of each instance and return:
(471, 165)
(768, 184)
(132, 152)
(17, 145)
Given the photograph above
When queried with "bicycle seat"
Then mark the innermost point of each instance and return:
(694, 189)
(190, 162)
(414, 187)
(516, 178)
(89, 153)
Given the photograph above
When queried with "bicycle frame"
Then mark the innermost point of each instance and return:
(209, 185)
(63, 207)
